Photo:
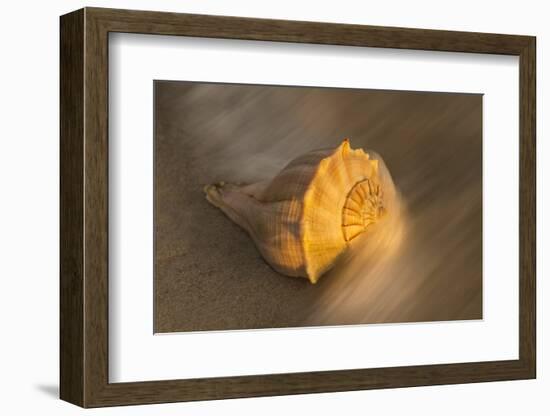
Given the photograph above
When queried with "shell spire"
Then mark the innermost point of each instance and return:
(304, 218)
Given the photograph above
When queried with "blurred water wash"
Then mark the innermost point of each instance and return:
(422, 262)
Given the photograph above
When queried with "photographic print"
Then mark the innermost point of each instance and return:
(285, 206)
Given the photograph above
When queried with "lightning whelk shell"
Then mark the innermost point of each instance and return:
(304, 218)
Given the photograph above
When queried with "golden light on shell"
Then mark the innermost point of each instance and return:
(306, 217)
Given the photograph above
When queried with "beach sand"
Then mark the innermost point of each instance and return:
(210, 276)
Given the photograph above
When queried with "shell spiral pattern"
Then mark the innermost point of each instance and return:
(304, 218)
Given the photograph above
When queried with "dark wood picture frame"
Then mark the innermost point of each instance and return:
(84, 207)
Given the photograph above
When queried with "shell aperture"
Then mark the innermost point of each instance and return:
(306, 217)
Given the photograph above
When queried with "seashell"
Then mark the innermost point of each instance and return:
(304, 218)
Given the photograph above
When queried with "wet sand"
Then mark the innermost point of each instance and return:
(208, 273)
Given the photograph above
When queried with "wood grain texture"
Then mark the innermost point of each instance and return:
(96, 282)
(162, 23)
(84, 207)
(527, 208)
(71, 213)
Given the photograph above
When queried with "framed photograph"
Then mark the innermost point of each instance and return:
(255, 207)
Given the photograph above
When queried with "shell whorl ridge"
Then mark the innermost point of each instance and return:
(362, 208)
(304, 218)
